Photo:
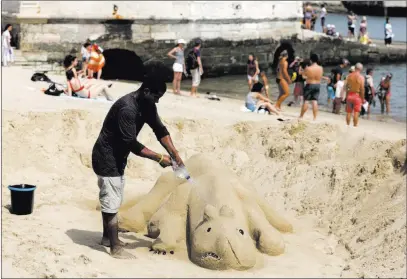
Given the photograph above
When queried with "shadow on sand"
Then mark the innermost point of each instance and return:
(92, 240)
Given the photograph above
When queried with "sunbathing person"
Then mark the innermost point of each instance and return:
(85, 90)
(256, 100)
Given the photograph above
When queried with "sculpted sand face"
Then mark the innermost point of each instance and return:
(221, 221)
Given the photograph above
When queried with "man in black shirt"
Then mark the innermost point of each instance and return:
(116, 140)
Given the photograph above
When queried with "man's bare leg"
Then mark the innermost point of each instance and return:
(348, 115)
(315, 109)
(355, 119)
(304, 109)
(112, 227)
(193, 91)
(105, 238)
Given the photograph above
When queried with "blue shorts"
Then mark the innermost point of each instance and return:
(331, 92)
(251, 107)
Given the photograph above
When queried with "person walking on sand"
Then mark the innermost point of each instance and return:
(252, 70)
(7, 50)
(355, 88)
(195, 66)
(283, 79)
(313, 75)
(179, 65)
(117, 138)
(298, 66)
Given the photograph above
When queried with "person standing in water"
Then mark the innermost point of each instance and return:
(355, 88)
(283, 79)
(384, 93)
(252, 70)
(116, 140)
(322, 16)
(351, 24)
(308, 14)
(179, 65)
(388, 32)
(313, 75)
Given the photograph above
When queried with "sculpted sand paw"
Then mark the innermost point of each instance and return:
(221, 221)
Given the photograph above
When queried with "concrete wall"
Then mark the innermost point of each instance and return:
(191, 10)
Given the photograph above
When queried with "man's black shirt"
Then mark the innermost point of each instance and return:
(118, 136)
(334, 72)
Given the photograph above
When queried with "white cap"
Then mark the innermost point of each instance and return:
(181, 41)
(364, 18)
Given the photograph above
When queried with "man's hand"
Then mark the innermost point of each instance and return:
(178, 160)
(166, 161)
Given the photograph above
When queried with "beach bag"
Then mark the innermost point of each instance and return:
(40, 77)
(192, 61)
(53, 90)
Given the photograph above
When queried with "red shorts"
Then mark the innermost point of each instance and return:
(353, 102)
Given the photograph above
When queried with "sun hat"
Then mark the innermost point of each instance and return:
(181, 41)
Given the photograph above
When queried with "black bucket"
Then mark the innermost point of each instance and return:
(22, 198)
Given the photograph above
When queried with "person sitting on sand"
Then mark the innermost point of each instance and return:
(116, 140)
(255, 100)
(76, 88)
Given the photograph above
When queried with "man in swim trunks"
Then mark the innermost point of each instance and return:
(313, 75)
(355, 88)
(116, 140)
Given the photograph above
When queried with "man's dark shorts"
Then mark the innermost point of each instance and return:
(311, 92)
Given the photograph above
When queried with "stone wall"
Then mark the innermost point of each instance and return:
(225, 48)
(189, 10)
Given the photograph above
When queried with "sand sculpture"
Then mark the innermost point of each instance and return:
(221, 221)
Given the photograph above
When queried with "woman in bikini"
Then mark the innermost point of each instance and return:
(283, 79)
(252, 70)
(74, 85)
(384, 93)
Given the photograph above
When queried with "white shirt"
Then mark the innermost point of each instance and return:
(6, 38)
(388, 30)
(85, 53)
(339, 86)
(323, 12)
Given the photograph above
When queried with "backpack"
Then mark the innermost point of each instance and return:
(40, 77)
(53, 90)
(192, 61)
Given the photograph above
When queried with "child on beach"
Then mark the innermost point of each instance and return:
(255, 100)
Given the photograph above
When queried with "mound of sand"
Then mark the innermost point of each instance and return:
(344, 190)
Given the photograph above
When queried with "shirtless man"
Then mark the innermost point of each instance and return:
(313, 75)
(355, 88)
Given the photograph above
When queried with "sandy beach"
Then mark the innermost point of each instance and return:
(343, 189)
